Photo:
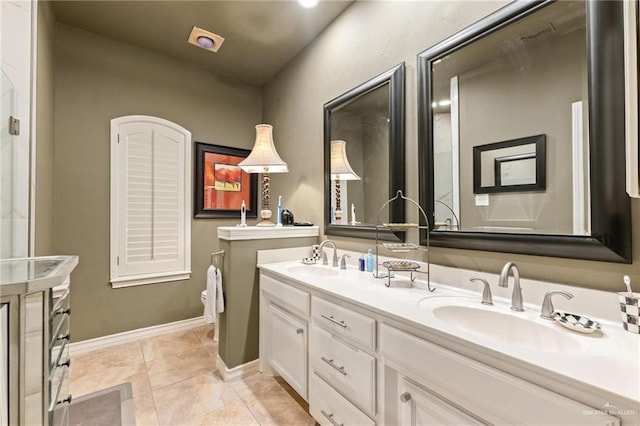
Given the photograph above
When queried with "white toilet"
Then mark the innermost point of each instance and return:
(203, 299)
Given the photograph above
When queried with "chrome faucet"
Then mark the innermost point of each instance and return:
(343, 261)
(324, 255)
(516, 296)
(547, 304)
(486, 293)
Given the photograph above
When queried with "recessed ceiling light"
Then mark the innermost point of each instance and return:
(205, 42)
(308, 3)
(205, 39)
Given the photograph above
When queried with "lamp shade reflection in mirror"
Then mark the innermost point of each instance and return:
(341, 170)
(364, 155)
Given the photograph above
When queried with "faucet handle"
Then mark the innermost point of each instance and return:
(547, 304)
(324, 258)
(343, 261)
(486, 293)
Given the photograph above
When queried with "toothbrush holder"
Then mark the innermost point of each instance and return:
(629, 311)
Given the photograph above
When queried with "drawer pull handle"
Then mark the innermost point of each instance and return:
(67, 400)
(405, 397)
(340, 323)
(67, 363)
(64, 336)
(330, 417)
(299, 331)
(62, 312)
(331, 363)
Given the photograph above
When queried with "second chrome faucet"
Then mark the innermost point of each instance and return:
(516, 296)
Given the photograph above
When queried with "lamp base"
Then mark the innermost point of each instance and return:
(266, 218)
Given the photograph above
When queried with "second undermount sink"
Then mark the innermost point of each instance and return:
(313, 270)
(507, 328)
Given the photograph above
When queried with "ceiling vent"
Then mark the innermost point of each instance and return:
(205, 39)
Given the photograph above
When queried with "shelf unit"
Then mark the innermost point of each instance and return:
(401, 265)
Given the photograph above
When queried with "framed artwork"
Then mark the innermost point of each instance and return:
(221, 185)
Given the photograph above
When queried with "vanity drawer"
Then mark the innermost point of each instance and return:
(60, 355)
(349, 370)
(291, 298)
(488, 393)
(61, 331)
(59, 388)
(344, 322)
(329, 408)
(59, 303)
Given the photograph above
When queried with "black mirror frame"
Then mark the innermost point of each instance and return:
(395, 79)
(610, 238)
(541, 164)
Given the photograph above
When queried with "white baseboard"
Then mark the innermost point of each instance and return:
(238, 372)
(84, 346)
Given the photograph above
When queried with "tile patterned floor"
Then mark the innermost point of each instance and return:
(175, 382)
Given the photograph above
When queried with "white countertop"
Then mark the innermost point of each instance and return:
(234, 233)
(32, 274)
(608, 360)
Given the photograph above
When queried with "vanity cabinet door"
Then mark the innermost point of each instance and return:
(419, 407)
(487, 393)
(288, 336)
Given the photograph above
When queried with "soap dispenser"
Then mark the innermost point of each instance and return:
(370, 261)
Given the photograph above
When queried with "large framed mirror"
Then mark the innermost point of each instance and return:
(364, 157)
(552, 68)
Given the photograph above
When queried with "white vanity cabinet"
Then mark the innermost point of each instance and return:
(362, 356)
(437, 385)
(284, 318)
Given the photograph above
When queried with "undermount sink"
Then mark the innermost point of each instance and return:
(507, 328)
(313, 270)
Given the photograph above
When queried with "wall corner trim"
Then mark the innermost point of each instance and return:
(238, 372)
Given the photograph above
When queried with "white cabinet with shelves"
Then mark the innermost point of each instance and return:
(289, 348)
(284, 317)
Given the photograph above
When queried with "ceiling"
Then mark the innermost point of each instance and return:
(260, 36)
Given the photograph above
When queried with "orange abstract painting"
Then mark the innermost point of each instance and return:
(224, 185)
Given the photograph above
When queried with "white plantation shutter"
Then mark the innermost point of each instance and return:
(150, 201)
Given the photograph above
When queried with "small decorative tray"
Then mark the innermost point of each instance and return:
(401, 265)
(308, 260)
(400, 247)
(576, 322)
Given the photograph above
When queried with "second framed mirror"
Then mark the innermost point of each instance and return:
(364, 156)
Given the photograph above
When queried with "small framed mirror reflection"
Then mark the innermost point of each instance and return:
(552, 68)
(518, 165)
(364, 156)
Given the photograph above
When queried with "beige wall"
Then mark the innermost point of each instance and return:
(97, 79)
(45, 190)
(367, 39)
